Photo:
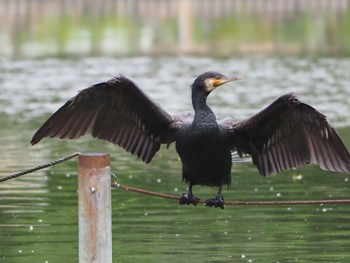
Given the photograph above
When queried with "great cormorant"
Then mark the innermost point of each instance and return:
(286, 134)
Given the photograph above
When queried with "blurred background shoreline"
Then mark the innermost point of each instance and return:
(219, 28)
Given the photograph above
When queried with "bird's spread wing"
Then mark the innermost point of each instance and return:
(116, 111)
(288, 134)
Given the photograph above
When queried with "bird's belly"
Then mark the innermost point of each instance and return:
(206, 160)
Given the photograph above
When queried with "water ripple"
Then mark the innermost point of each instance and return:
(41, 86)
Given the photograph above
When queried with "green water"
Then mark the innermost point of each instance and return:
(38, 212)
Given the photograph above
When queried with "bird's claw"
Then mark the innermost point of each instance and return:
(186, 199)
(217, 201)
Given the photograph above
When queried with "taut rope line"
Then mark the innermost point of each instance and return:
(30, 170)
(174, 197)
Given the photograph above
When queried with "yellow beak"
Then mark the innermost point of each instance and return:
(219, 82)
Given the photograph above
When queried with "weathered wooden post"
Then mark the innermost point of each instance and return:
(95, 217)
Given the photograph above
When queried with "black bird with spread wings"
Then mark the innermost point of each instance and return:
(287, 134)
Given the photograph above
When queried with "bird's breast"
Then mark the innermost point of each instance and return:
(205, 155)
(202, 138)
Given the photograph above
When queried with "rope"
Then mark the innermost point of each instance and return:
(146, 192)
(30, 170)
(174, 197)
(258, 203)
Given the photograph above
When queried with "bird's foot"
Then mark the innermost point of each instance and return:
(187, 199)
(217, 201)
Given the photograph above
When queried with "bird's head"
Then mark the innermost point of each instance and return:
(210, 80)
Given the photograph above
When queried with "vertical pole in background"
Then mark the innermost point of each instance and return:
(95, 217)
(185, 23)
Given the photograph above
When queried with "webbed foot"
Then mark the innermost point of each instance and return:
(187, 199)
(217, 201)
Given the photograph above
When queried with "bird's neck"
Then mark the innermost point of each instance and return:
(199, 100)
(200, 106)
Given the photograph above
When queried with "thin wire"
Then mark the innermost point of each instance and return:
(257, 203)
(174, 197)
(142, 191)
(30, 170)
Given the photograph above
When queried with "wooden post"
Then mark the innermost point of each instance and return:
(95, 217)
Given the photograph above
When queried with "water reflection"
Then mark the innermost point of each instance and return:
(38, 212)
(219, 27)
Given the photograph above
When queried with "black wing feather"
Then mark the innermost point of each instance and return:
(288, 134)
(116, 111)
